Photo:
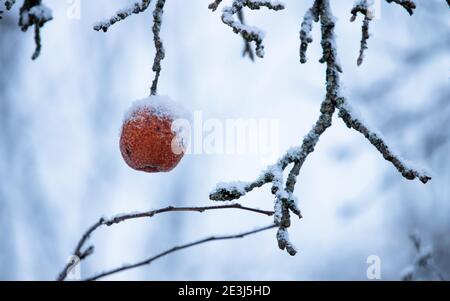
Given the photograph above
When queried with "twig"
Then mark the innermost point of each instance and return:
(250, 34)
(311, 15)
(160, 53)
(136, 8)
(247, 45)
(34, 13)
(285, 202)
(178, 248)
(362, 6)
(409, 5)
(82, 254)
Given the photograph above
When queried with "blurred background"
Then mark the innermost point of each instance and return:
(61, 168)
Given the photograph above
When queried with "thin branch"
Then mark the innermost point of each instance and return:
(160, 53)
(362, 6)
(34, 13)
(250, 34)
(409, 5)
(136, 8)
(178, 248)
(82, 254)
(214, 5)
(248, 50)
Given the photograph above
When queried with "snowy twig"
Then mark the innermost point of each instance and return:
(250, 34)
(160, 53)
(352, 121)
(423, 260)
(248, 50)
(82, 253)
(312, 15)
(178, 248)
(214, 5)
(33, 13)
(136, 8)
(409, 5)
(285, 202)
(363, 7)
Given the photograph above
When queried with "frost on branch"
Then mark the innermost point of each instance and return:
(363, 7)
(285, 202)
(32, 13)
(136, 8)
(249, 33)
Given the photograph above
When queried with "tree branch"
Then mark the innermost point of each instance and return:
(178, 248)
(136, 8)
(33, 13)
(362, 6)
(250, 34)
(82, 254)
(160, 53)
(285, 202)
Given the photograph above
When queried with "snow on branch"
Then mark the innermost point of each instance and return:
(82, 252)
(248, 50)
(312, 15)
(409, 5)
(8, 4)
(136, 8)
(407, 169)
(160, 53)
(33, 13)
(363, 7)
(249, 33)
(285, 203)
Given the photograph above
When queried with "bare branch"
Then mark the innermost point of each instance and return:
(82, 254)
(306, 38)
(136, 8)
(178, 248)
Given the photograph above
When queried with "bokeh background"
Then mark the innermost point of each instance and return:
(61, 168)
